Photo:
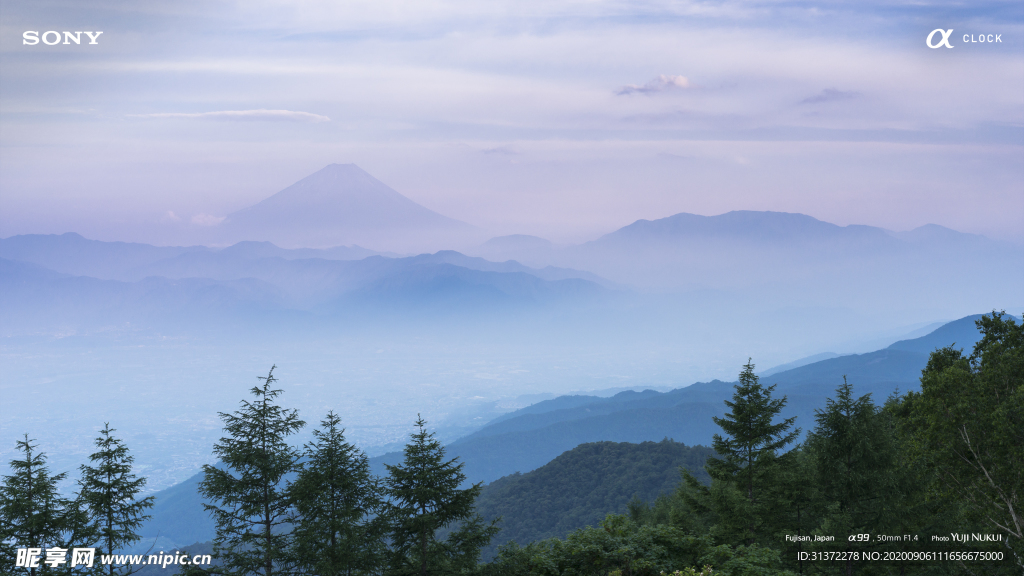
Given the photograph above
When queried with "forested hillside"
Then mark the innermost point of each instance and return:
(873, 480)
(580, 487)
(922, 483)
(529, 438)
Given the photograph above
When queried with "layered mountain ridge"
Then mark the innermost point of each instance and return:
(511, 450)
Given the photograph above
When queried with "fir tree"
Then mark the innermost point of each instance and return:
(109, 490)
(738, 500)
(854, 453)
(426, 499)
(251, 504)
(33, 514)
(336, 503)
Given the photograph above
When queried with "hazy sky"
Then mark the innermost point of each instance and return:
(562, 119)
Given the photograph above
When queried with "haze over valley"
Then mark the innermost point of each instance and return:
(670, 287)
(380, 309)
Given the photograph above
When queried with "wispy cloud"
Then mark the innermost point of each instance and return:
(659, 84)
(261, 114)
(831, 95)
(207, 220)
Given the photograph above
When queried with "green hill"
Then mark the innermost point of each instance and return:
(581, 486)
(528, 439)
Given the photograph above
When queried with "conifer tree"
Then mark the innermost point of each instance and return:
(794, 491)
(33, 514)
(738, 500)
(425, 498)
(109, 490)
(854, 452)
(337, 502)
(251, 504)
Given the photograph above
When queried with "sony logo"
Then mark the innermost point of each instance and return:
(51, 37)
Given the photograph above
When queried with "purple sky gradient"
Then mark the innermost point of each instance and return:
(564, 120)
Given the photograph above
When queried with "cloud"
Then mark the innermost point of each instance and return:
(830, 95)
(504, 150)
(207, 220)
(261, 114)
(659, 84)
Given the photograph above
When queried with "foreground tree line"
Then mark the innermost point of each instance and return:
(279, 509)
(869, 479)
(104, 513)
(880, 480)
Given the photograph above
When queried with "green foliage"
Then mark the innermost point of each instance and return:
(747, 465)
(109, 490)
(745, 561)
(797, 497)
(33, 514)
(425, 498)
(335, 500)
(621, 547)
(580, 487)
(949, 458)
(854, 456)
(252, 505)
(968, 426)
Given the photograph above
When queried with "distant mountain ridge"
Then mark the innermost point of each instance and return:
(740, 225)
(149, 286)
(529, 438)
(71, 253)
(342, 204)
(790, 258)
(769, 226)
(525, 439)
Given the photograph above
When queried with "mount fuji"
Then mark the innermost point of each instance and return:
(342, 205)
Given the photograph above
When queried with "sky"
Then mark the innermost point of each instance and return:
(565, 120)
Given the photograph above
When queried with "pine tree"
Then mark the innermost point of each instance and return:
(251, 504)
(109, 490)
(794, 491)
(33, 514)
(337, 531)
(426, 499)
(854, 453)
(738, 500)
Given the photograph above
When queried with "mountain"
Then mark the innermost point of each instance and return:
(514, 446)
(200, 288)
(70, 253)
(739, 225)
(783, 259)
(798, 363)
(342, 204)
(35, 300)
(898, 366)
(581, 486)
(531, 250)
(527, 438)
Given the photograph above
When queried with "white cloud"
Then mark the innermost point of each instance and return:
(261, 114)
(207, 220)
(659, 84)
